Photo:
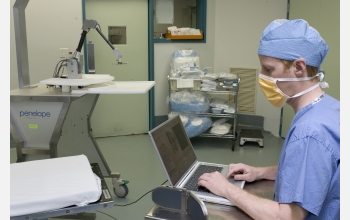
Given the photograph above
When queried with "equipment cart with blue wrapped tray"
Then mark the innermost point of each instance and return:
(227, 88)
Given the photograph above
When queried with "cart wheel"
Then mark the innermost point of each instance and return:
(122, 192)
(233, 146)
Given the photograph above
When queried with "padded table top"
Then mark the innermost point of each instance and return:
(49, 184)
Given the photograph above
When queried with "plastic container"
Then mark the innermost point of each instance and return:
(196, 84)
(183, 37)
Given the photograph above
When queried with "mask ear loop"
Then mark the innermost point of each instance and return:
(320, 76)
(305, 91)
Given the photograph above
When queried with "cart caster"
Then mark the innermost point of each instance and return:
(121, 191)
(119, 185)
(233, 146)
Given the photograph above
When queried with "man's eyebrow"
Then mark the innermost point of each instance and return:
(264, 66)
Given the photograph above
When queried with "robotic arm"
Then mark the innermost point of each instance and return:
(73, 65)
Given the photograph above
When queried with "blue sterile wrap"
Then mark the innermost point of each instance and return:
(197, 126)
(189, 102)
(185, 63)
(293, 39)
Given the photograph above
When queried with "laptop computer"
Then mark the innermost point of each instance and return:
(180, 163)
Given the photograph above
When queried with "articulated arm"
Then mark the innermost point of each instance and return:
(88, 24)
(73, 65)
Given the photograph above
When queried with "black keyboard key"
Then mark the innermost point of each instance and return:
(192, 183)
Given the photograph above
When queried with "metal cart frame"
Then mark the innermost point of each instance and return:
(221, 89)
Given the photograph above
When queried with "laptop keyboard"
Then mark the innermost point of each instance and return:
(192, 183)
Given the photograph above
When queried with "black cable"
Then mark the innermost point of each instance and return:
(59, 65)
(62, 70)
(55, 71)
(130, 203)
(59, 69)
(140, 197)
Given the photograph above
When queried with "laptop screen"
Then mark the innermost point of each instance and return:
(174, 148)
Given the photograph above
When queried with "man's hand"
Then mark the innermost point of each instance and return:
(248, 173)
(242, 172)
(215, 183)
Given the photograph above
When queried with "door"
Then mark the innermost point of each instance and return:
(324, 15)
(116, 115)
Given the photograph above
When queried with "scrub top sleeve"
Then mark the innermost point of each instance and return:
(304, 174)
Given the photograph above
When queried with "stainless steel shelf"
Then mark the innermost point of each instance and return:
(228, 92)
(223, 115)
(228, 135)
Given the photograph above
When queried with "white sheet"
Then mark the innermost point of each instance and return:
(49, 184)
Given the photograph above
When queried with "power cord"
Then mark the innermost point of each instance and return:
(140, 197)
(130, 203)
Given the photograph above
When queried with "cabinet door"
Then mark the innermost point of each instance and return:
(124, 114)
(324, 15)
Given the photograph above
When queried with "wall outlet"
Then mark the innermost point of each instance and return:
(63, 53)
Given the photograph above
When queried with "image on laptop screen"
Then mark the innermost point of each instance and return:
(174, 148)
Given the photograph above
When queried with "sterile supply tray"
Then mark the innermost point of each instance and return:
(173, 83)
(106, 201)
(183, 37)
(228, 84)
(220, 88)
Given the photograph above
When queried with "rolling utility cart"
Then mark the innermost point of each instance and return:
(228, 88)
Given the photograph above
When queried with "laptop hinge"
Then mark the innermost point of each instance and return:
(184, 177)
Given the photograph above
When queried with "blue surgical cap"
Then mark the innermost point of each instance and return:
(293, 39)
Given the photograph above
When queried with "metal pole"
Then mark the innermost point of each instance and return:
(21, 42)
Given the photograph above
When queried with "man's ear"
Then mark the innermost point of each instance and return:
(299, 67)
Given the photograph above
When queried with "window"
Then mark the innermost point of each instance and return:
(117, 35)
(186, 13)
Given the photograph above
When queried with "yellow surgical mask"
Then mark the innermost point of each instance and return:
(276, 97)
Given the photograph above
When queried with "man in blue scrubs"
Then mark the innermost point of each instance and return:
(307, 178)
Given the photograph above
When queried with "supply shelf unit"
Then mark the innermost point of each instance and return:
(222, 88)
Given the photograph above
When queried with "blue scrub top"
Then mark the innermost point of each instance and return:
(309, 166)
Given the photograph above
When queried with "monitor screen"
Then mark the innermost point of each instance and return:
(174, 148)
